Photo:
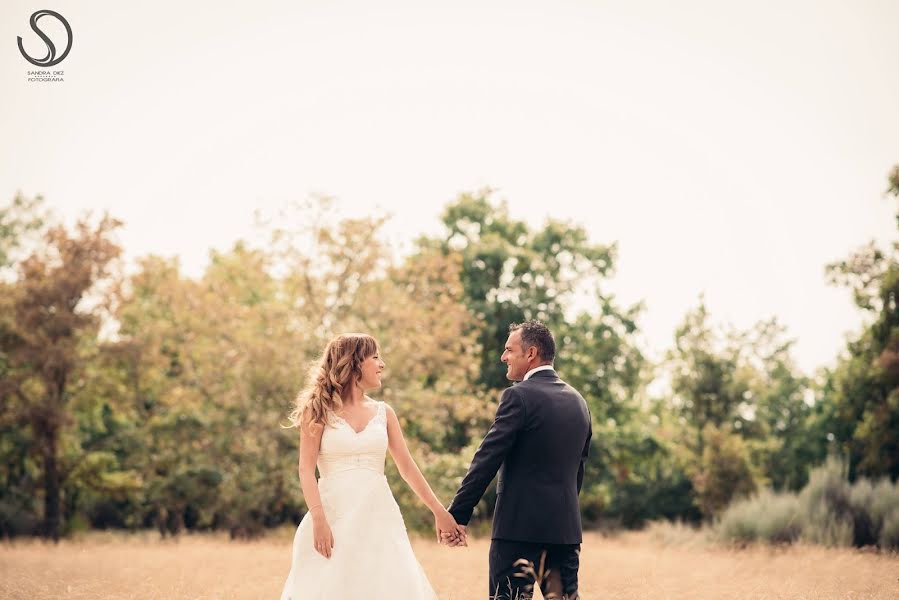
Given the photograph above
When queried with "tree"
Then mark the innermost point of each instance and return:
(511, 273)
(860, 405)
(725, 471)
(209, 367)
(708, 384)
(780, 436)
(55, 304)
(18, 223)
(742, 385)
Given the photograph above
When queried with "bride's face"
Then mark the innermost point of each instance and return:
(371, 372)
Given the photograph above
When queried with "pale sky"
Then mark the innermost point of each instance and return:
(731, 149)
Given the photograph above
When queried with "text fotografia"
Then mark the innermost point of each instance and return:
(44, 76)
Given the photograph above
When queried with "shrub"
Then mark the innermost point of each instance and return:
(864, 528)
(826, 507)
(884, 511)
(767, 517)
(16, 519)
(889, 533)
(828, 511)
(725, 471)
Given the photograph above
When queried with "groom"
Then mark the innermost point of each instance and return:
(538, 442)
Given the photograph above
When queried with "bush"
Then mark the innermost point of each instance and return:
(865, 528)
(725, 472)
(828, 511)
(884, 511)
(767, 517)
(826, 506)
(889, 533)
(17, 519)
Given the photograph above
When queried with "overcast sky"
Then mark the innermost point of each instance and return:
(731, 149)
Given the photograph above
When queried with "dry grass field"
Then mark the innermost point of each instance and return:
(639, 565)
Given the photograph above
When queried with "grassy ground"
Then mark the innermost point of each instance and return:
(644, 565)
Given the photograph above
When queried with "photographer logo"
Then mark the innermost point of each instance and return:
(56, 52)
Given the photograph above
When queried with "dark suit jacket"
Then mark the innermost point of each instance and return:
(539, 442)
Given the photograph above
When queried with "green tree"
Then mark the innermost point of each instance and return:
(860, 403)
(210, 366)
(55, 305)
(708, 384)
(511, 273)
(725, 471)
(19, 221)
(743, 384)
(781, 434)
(208, 363)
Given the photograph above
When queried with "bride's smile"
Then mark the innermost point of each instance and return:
(371, 368)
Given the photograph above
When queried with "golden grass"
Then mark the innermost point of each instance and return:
(629, 566)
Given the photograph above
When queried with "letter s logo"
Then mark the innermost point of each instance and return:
(50, 59)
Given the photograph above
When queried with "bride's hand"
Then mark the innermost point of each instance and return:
(323, 539)
(446, 525)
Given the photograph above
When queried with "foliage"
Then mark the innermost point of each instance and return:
(53, 310)
(741, 391)
(725, 471)
(19, 222)
(768, 517)
(158, 400)
(511, 272)
(860, 406)
(828, 511)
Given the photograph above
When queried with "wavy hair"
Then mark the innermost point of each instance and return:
(338, 369)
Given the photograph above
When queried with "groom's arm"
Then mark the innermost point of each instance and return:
(509, 420)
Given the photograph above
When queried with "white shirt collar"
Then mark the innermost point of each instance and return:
(536, 369)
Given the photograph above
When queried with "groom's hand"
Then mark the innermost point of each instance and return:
(446, 526)
(455, 538)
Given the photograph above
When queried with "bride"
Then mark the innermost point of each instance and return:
(352, 542)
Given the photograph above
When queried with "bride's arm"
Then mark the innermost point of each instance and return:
(411, 474)
(310, 442)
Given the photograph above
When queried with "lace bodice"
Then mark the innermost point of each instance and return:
(343, 449)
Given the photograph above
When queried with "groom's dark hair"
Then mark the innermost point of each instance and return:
(534, 333)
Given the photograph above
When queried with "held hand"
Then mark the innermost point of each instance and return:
(446, 526)
(459, 537)
(323, 539)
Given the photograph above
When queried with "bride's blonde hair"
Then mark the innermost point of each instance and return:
(338, 369)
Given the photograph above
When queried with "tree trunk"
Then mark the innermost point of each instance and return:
(51, 486)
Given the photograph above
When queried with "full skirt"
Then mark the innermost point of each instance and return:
(372, 557)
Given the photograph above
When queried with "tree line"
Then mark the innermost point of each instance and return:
(150, 399)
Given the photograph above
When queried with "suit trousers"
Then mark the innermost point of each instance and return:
(516, 567)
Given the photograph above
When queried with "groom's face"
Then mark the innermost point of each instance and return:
(515, 358)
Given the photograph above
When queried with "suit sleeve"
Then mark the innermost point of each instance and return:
(584, 453)
(509, 420)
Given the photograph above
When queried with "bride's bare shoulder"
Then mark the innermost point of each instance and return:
(388, 410)
(312, 428)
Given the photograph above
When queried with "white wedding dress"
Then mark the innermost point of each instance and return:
(372, 558)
